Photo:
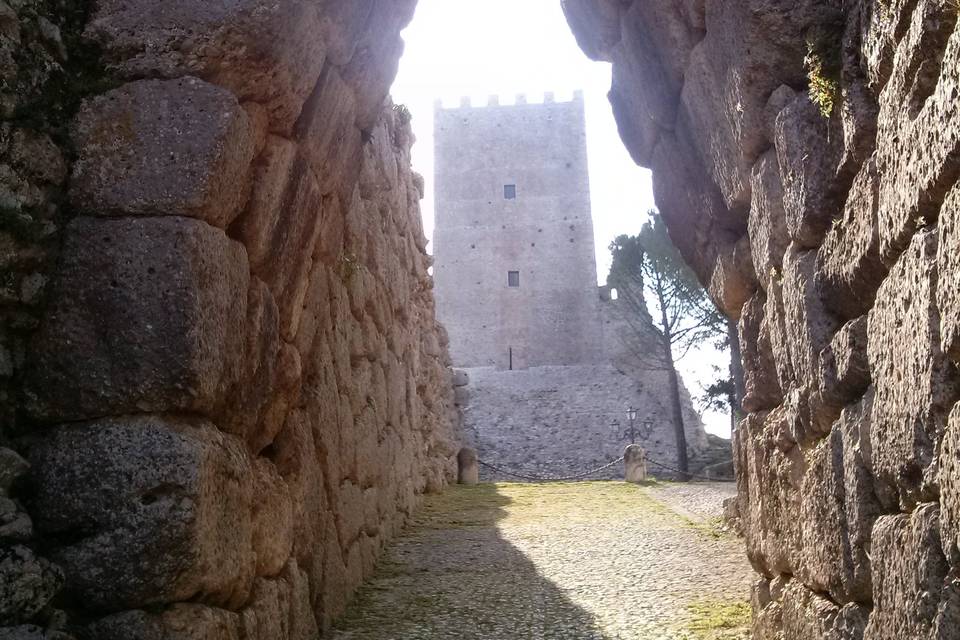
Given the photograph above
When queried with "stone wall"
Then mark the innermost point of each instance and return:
(805, 158)
(218, 350)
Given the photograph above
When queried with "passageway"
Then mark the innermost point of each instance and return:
(589, 560)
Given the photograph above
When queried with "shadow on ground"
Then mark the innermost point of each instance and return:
(452, 575)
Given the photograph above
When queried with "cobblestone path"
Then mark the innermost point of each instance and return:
(589, 560)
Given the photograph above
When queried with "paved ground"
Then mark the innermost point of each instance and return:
(589, 560)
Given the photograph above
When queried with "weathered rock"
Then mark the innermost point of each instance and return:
(849, 269)
(148, 315)
(12, 468)
(908, 576)
(147, 511)
(844, 370)
(948, 274)
(809, 616)
(32, 632)
(265, 52)
(762, 390)
(272, 518)
(163, 148)
(904, 345)
(768, 223)
(27, 583)
(179, 622)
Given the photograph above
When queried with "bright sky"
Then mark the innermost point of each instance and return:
(479, 48)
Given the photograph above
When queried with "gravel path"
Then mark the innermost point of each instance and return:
(589, 560)
(701, 501)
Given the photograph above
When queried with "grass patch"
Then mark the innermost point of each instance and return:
(718, 620)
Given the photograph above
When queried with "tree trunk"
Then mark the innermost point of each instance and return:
(736, 372)
(676, 407)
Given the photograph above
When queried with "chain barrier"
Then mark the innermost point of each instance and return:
(537, 478)
(584, 474)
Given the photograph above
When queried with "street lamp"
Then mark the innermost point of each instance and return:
(632, 416)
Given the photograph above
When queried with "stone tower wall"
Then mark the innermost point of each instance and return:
(829, 231)
(218, 349)
(545, 233)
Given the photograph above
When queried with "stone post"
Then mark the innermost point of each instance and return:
(634, 463)
(468, 469)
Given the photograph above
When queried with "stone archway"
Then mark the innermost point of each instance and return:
(217, 321)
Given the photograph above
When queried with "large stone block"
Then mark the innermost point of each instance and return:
(849, 269)
(326, 131)
(948, 274)
(949, 459)
(179, 622)
(595, 24)
(810, 616)
(144, 511)
(147, 316)
(915, 382)
(272, 518)
(767, 223)
(268, 52)
(762, 389)
(808, 156)
(844, 369)
(909, 572)
(918, 136)
(163, 148)
(27, 583)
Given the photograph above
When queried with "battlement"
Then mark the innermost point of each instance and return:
(495, 100)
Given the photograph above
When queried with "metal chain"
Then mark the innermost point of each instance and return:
(578, 476)
(537, 478)
(682, 473)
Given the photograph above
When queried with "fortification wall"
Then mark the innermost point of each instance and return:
(828, 230)
(218, 350)
(545, 233)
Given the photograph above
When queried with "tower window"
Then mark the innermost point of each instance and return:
(509, 192)
(513, 278)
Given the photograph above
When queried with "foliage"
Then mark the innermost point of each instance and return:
(823, 64)
(721, 394)
(403, 112)
(655, 283)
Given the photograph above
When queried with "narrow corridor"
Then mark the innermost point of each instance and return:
(590, 560)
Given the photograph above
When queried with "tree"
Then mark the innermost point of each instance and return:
(656, 286)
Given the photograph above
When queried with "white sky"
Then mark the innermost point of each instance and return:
(479, 48)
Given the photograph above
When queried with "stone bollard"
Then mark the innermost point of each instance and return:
(468, 469)
(634, 463)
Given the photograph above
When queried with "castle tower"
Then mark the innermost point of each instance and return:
(515, 270)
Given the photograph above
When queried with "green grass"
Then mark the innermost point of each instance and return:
(718, 620)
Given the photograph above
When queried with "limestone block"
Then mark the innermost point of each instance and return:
(772, 479)
(767, 222)
(12, 468)
(808, 615)
(272, 518)
(15, 524)
(949, 463)
(635, 464)
(270, 175)
(849, 269)
(27, 583)
(146, 511)
(32, 632)
(595, 24)
(179, 622)
(904, 345)
(762, 390)
(918, 136)
(267, 614)
(838, 511)
(882, 26)
(303, 625)
(163, 148)
(948, 273)
(247, 410)
(808, 156)
(147, 315)
(908, 576)
(326, 132)
(265, 52)
(808, 326)
(844, 370)
(343, 22)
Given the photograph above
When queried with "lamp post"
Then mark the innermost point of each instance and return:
(632, 432)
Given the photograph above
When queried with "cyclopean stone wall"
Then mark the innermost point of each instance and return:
(830, 232)
(218, 350)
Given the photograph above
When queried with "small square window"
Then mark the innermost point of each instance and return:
(509, 192)
(513, 278)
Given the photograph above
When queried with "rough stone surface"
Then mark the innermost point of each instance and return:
(163, 148)
(832, 127)
(218, 350)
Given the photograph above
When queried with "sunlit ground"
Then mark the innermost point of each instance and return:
(590, 560)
